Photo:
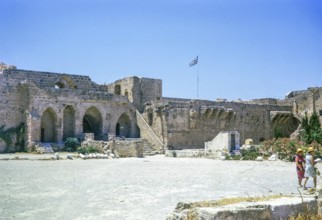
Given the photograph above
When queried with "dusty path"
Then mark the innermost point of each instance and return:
(131, 188)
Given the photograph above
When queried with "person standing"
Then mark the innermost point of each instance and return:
(310, 169)
(299, 160)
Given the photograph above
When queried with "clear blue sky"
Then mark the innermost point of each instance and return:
(247, 48)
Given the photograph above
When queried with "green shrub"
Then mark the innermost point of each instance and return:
(71, 144)
(89, 149)
(286, 148)
(8, 135)
(312, 131)
(235, 157)
(250, 154)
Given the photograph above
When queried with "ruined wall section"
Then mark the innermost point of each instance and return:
(49, 80)
(13, 102)
(306, 101)
(126, 87)
(137, 90)
(4, 66)
(188, 124)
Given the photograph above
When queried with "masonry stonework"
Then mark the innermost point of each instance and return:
(52, 107)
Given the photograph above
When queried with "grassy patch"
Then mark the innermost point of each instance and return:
(222, 202)
(306, 216)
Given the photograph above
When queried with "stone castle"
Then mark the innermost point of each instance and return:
(50, 107)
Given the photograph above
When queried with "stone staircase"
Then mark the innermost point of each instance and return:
(148, 149)
(153, 145)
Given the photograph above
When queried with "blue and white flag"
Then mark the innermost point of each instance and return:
(194, 62)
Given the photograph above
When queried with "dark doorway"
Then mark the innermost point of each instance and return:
(232, 142)
(92, 122)
(69, 122)
(123, 126)
(48, 126)
(117, 131)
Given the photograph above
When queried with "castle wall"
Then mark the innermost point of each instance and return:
(53, 106)
(49, 80)
(188, 124)
(41, 106)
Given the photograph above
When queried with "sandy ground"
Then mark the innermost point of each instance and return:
(131, 188)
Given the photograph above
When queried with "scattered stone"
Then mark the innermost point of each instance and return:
(273, 157)
(116, 154)
(259, 158)
(69, 156)
(57, 157)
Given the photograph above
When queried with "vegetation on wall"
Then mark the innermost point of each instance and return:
(312, 131)
(8, 135)
(278, 132)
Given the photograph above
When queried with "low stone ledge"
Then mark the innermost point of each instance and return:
(185, 153)
(281, 208)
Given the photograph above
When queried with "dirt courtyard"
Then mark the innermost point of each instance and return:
(131, 188)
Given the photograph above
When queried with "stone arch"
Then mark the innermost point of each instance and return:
(59, 85)
(92, 121)
(123, 126)
(65, 82)
(69, 122)
(48, 126)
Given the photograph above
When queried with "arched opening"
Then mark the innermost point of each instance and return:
(138, 131)
(59, 85)
(262, 139)
(117, 130)
(126, 93)
(117, 90)
(69, 122)
(48, 126)
(123, 126)
(92, 122)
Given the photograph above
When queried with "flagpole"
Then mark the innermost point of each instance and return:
(197, 80)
